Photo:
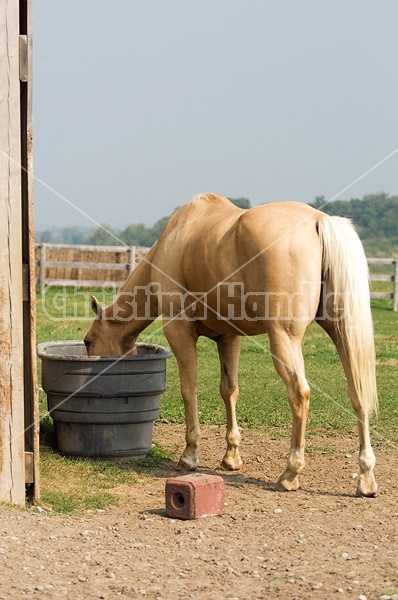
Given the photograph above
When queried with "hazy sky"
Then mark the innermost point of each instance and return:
(140, 105)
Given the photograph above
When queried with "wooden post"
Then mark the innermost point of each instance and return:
(31, 393)
(132, 253)
(12, 477)
(42, 268)
(18, 386)
(395, 290)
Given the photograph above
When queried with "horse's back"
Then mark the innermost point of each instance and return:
(213, 222)
(209, 217)
(210, 239)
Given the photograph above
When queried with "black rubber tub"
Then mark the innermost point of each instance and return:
(103, 407)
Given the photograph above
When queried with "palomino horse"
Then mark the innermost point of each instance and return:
(223, 272)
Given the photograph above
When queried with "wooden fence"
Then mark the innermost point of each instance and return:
(98, 266)
(85, 266)
(392, 277)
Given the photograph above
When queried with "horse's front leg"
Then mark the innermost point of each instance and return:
(228, 350)
(182, 339)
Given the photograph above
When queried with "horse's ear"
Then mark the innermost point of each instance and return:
(96, 307)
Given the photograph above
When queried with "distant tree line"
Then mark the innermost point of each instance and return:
(375, 217)
(64, 235)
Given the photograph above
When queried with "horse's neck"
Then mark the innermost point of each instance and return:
(136, 301)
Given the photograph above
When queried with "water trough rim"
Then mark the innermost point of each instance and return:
(43, 352)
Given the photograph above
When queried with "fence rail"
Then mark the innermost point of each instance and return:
(98, 266)
(382, 277)
(85, 266)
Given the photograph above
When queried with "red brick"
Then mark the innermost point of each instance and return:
(194, 496)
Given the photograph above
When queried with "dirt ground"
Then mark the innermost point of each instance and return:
(318, 542)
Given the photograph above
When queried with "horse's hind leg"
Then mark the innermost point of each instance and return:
(367, 485)
(228, 350)
(288, 361)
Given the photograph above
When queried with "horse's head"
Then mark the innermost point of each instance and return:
(108, 336)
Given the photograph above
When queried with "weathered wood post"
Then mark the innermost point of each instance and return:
(42, 268)
(19, 441)
(132, 255)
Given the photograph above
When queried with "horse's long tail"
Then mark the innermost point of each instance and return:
(345, 271)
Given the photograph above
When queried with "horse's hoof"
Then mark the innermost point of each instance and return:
(366, 489)
(183, 465)
(287, 485)
(229, 464)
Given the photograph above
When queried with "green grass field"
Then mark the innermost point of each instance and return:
(262, 404)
